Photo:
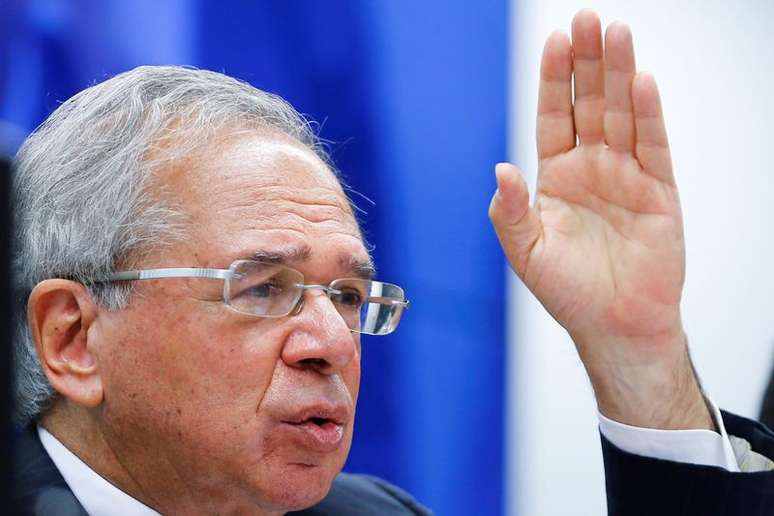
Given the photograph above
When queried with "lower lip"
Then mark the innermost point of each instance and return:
(323, 438)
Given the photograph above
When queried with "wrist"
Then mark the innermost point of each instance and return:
(650, 383)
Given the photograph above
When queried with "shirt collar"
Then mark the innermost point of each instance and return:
(97, 496)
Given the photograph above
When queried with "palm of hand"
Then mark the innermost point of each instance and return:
(610, 258)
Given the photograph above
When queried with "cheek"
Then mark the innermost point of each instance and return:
(351, 377)
(187, 365)
(352, 373)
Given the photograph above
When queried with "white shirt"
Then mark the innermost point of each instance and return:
(101, 498)
(97, 496)
(704, 447)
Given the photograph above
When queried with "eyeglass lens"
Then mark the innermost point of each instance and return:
(273, 290)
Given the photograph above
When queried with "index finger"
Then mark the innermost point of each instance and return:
(555, 125)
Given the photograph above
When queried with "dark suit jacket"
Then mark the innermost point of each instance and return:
(644, 486)
(767, 406)
(635, 485)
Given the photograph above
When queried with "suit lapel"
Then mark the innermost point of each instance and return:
(37, 486)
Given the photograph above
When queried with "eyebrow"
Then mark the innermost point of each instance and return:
(360, 267)
(283, 256)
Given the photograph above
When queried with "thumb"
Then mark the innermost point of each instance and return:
(516, 223)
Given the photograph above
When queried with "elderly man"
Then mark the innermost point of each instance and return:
(196, 285)
(217, 371)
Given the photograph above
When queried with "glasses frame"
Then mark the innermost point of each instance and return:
(228, 274)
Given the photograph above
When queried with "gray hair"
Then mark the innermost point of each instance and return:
(82, 199)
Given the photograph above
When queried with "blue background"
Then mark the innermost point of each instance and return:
(412, 96)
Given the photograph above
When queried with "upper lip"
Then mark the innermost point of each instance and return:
(337, 414)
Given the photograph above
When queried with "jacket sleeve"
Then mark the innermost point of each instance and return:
(643, 485)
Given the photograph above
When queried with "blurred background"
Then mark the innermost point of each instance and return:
(478, 404)
(412, 97)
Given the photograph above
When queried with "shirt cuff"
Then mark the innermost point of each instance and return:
(702, 447)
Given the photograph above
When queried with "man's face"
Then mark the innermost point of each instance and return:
(214, 406)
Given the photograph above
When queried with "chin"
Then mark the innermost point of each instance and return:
(293, 478)
(301, 486)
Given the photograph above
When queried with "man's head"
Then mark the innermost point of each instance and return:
(159, 383)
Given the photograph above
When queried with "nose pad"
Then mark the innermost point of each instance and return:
(326, 292)
(299, 305)
(321, 339)
(326, 295)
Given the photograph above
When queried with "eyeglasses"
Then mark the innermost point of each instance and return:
(272, 290)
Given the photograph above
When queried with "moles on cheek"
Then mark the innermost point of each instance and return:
(183, 392)
(189, 361)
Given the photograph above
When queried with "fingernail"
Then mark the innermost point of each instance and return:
(500, 171)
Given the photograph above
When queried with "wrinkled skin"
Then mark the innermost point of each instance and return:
(195, 395)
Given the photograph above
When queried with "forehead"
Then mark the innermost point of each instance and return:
(256, 192)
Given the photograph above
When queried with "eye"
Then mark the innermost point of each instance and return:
(350, 297)
(263, 290)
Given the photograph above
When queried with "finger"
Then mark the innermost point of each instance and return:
(619, 72)
(652, 146)
(517, 225)
(589, 66)
(555, 128)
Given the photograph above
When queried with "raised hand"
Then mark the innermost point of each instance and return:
(602, 248)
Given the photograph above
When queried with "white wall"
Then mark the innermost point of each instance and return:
(714, 64)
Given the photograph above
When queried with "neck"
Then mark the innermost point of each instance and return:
(125, 463)
(80, 431)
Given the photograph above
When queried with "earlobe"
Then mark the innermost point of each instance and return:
(60, 313)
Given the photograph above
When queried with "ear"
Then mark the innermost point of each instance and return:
(59, 313)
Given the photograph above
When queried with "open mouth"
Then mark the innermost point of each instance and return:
(318, 415)
(317, 431)
(316, 422)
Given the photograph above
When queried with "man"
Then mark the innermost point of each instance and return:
(227, 381)
(195, 285)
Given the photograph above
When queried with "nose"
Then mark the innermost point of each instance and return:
(319, 338)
